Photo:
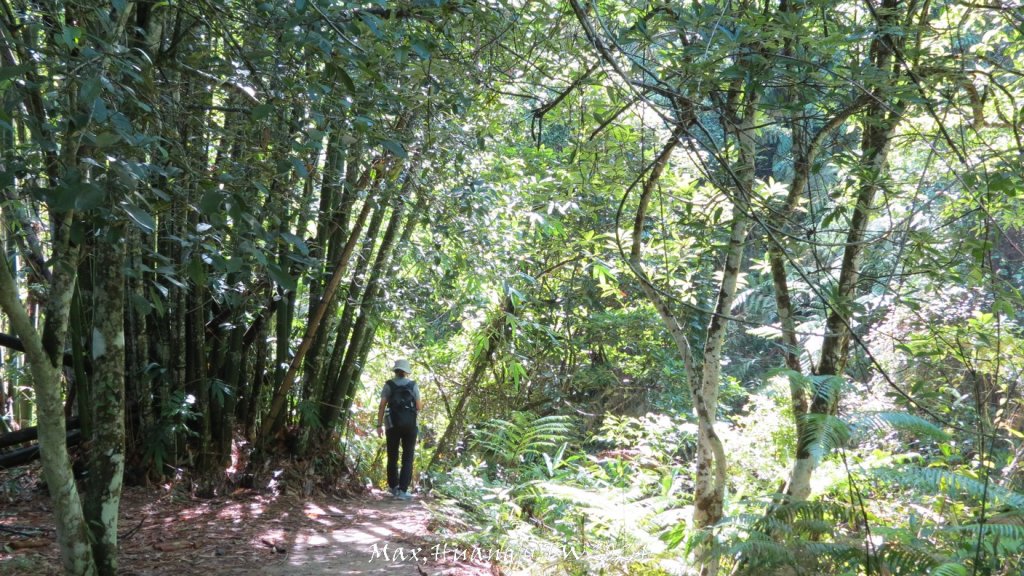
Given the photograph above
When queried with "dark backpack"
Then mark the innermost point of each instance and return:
(402, 405)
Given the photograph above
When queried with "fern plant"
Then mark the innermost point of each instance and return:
(833, 536)
(523, 438)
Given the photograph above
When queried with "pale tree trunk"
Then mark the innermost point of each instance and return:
(710, 481)
(497, 332)
(106, 453)
(881, 118)
(45, 366)
(709, 485)
(806, 152)
(835, 346)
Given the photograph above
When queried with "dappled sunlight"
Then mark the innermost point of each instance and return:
(369, 536)
(734, 285)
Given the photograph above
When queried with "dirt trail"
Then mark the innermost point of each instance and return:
(165, 532)
(372, 535)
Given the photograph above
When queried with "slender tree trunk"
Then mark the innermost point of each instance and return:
(369, 312)
(835, 346)
(376, 287)
(497, 333)
(106, 452)
(332, 216)
(346, 384)
(254, 402)
(881, 118)
(140, 384)
(272, 424)
(72, 533)
(806, 152)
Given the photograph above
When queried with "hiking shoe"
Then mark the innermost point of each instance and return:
(395, 491)
(403, 495)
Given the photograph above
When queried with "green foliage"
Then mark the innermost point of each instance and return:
(949, 570)
(175, 420)
(656, 438)
(760, 440)
(899, 421)
(523, 439)
(823, 433)
(954, 484)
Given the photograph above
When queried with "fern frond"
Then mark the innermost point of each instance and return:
(814, 526)
(1013, 518)
(1010, 531)
(836, 551)
(822, 433)
(510, 441)
(741, 298)
(901, 559)
(948, 569)
(953, 484)
(827, 386)
(761, 552)
(901, 421)
(815, 510)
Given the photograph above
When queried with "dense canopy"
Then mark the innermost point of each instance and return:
(734, 284)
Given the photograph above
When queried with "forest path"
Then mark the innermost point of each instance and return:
(370, 534)
(165, 532)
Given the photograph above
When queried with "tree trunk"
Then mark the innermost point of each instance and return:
(273, 421)
(879, 124)
(334, 213)
(806, 152)
(72, 533)
(375, 287)
(139, 382)
(835, 346)
(253, 403)
(335, 381)
(106, 450)
(497, 332)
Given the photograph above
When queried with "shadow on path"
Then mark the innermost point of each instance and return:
(372, 534)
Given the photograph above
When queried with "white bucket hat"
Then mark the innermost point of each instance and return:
(403, 365)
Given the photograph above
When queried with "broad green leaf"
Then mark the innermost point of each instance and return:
(297, 242)
(421, 50)
(141, 218)
(373, 23)
(107, 139)
(395, 148)
(261, 111)
(8, 72)
(89, 90)
(196, 271)
(282, 278)
(71, 35)
(210, 202)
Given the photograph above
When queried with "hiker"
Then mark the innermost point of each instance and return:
(401, 397)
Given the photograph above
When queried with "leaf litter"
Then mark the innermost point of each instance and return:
(165, 531)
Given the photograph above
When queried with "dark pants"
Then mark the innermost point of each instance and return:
(407, 438)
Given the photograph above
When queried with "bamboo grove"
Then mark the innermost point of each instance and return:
(213, 212)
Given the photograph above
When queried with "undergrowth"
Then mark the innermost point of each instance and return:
(548, 501)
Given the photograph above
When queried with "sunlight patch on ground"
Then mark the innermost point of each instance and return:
(314, 540)
(312, 510)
